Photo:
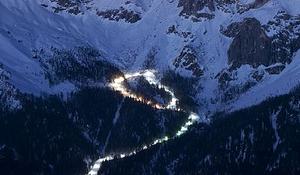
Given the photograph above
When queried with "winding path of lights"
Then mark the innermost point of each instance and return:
(118, 85)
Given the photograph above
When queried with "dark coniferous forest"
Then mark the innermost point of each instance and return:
(149, 87)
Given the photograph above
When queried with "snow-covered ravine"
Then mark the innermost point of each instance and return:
(118, 85)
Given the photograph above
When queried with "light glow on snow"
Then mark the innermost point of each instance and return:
(118, 85)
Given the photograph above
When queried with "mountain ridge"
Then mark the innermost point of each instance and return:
(146, 40)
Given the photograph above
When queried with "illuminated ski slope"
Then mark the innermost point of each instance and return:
(118, 85)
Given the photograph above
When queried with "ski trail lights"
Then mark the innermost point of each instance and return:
(118, 85)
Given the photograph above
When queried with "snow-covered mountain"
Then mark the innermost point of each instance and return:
(240, 51)
(218, 56)
(59, 112)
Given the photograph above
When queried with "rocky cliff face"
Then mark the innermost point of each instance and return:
(75, 7)
(188, 60)
(199, 38)
(193, 8)
(204, 9)
(218, 55)
(250, 45)
(71, 6)
(120, 14)
(286, 39)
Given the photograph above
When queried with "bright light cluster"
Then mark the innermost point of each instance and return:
(118, 85)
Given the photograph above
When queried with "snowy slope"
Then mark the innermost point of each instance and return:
(29, 25)
(272, 86)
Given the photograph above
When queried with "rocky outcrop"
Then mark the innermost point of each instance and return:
(200, 10)
(231, 86)
(193, 8)
(70, 6)
(188, 60)
(271, 46)
(183, 34)
(275, 69)
(285, 33)
(250, 45)
(256, 4)
(120, 14)
(77, 7)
